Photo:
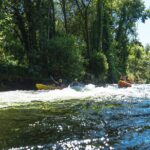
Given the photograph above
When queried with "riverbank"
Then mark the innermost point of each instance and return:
(17, 83)
(11, 82)
(14, 82)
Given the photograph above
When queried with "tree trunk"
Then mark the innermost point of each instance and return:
(84, 14)
(19, 21)
(63, 5)
(51, 19)
(100, 23)
(87, 34)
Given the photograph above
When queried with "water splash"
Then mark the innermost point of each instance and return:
(90, 91)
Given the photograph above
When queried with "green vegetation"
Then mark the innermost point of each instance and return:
(65, 57)
(72, 39)
(98, 65)
(139, 63)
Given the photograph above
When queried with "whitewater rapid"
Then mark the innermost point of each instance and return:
(136, 92)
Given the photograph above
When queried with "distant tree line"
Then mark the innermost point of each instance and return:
(85, 39)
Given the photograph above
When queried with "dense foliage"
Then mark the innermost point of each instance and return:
(98, 65)
(65, 57)
(73, 38)
(139, 63)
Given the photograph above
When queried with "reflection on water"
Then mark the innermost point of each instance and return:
(108, 122)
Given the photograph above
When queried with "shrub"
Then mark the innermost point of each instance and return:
(65, 57)
(98, 65)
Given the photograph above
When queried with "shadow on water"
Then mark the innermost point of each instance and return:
(76, 124)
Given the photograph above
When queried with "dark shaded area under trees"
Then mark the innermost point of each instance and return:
(92, 40)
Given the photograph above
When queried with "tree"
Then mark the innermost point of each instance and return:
(130, 11)
(138, 63)
(83, 7)
(106, 26)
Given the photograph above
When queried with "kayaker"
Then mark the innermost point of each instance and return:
(123, 82)
(75, 82)
(58, 83)
(76, 85)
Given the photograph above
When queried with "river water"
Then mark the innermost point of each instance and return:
(86, 118)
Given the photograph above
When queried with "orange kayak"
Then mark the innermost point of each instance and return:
(122, 84)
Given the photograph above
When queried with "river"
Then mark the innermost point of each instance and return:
(88, 118)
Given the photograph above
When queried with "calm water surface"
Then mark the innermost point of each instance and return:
(92, 118)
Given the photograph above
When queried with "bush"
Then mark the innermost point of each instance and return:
(65, 57)
(98, 65)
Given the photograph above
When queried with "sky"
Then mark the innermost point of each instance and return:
(143, 29)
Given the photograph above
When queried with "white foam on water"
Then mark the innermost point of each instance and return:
(89, 91)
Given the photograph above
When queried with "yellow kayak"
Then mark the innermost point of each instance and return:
(40, 86)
